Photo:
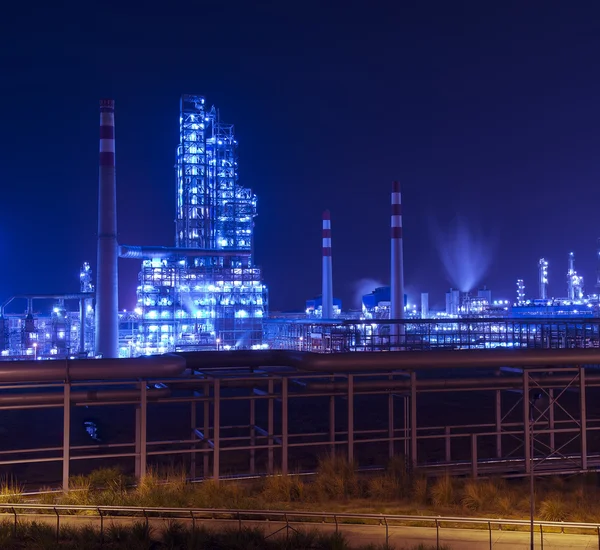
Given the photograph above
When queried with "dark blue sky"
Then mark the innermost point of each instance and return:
(486, 113)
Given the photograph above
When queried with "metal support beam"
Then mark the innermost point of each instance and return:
(206, 422)
(391, 446)
(193, 422)
(332, 424)
(498, 423)
(66, 436)
(143, 427)
(583, 418)
(551, 420)
(527, 435)
(138, 446)
(474, 458)
(270, 427)
(413, 419)
(350, 418)
(406, 426)
(284, 426)
(217, 430)
(252, 433)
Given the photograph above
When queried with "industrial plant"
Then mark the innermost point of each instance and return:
(290, 383)
(206, 293)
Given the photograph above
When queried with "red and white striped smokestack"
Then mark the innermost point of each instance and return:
(106, 313)
(327, 294)
(397, 272)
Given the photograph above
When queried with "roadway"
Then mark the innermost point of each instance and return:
(359, 535)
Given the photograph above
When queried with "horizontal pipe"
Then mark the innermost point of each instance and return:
(388, 361)
(83, 397)
(158, 366)
(149, 252)
(456, 384)
(70, 296)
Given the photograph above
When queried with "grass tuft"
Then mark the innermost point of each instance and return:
(442, 492)
(554, 508)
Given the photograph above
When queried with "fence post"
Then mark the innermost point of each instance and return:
(387, 533)
(57, 525)
(437, 534)
(490, 530)
(447, 445)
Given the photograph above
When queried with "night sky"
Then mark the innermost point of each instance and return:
(489, 115)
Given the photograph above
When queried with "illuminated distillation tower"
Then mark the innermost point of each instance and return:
(574, 281)
(543, 278)
(520, 292)
(206, 293)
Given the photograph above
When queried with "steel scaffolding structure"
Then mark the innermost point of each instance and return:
(224, 414)
(426, 334)
(206, 292)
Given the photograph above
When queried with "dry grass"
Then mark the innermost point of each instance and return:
(442, 492)
(10, 490)
(337, 487)
(554, 508)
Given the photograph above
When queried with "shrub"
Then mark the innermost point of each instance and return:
(386, 487)
(420, 489)
(280, 488)
(336, 478)
(442, 492)
(10, 490)
(554, 508)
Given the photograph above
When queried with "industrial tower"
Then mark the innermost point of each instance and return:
(205, 293)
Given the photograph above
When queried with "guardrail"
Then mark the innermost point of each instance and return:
(288, 517)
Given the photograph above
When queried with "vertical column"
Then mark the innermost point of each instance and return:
(551, 420)
(252, 433)
(138, 446)
(270, 427)
(66, 435)
(106, 312)
(217, 430)
(583, 418)
(327, 294)
(143, 428)
(193, 437)
(498, 423)
(397, 268)
(413, 419)
(332, 422)
(206, 427)
(391, 422)
(350, 418)
(527, 435)
(405, 402)
(284, 425)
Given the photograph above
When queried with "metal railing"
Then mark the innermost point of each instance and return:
(288, 517)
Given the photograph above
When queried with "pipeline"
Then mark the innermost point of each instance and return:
(149, 252)
(453, 384)
(389, 361)
(80, 397)
(70, 296)
(158, 366)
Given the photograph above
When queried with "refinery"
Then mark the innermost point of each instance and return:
(205, 293)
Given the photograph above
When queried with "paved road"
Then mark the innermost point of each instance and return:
(399, 537)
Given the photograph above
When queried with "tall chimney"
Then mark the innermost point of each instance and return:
(327, 292)
(107, 317)
(397, 272)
